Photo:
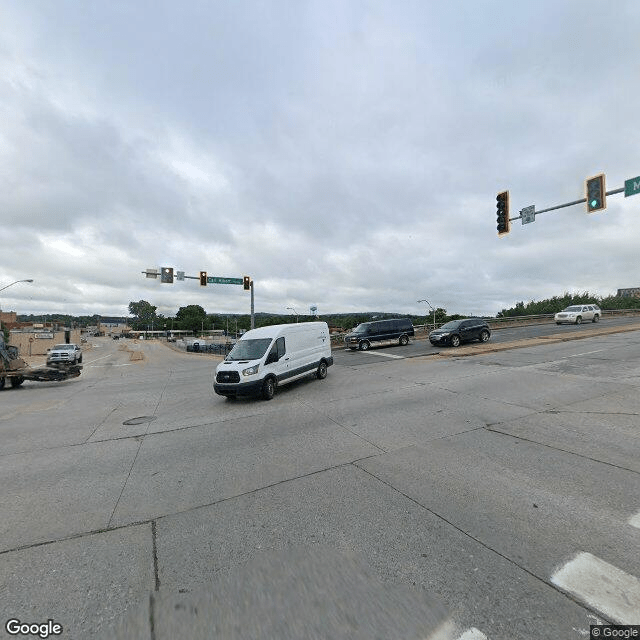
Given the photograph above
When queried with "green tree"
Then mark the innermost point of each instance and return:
(193, 318)
(144, 314)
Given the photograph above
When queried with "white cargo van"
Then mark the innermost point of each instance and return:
(270, 356)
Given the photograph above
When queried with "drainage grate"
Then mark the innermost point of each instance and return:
(140, 420)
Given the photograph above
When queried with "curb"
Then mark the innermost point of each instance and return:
(534, 342)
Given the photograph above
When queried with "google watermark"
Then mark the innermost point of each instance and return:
(598, 631)
(15, 627)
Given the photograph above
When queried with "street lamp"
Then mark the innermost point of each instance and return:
(16, 282)
(294, 311)
(434, 311)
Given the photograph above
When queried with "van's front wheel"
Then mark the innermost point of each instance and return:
(269, 388)
(321, 372)
(404, 340)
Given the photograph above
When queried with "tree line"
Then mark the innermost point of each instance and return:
(558, 303)
(144, 316)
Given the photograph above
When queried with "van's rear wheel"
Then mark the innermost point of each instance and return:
(404, 340)
(321, 373)
(2, 378)
(17, 381)
(269, 388)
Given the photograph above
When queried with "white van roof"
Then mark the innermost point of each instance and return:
(282, 329)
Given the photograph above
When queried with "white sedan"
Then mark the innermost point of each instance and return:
(579, 313)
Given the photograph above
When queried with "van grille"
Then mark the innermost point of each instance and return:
(227, 376)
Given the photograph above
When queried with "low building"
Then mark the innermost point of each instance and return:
(35, 342)
(8, 317)
(110, 326)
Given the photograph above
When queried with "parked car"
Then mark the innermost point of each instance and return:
(364, 334)
(456, 332)
(578, 313)
(64, 354)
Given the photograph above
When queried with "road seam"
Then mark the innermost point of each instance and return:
(566, 594)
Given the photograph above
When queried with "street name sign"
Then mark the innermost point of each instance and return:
(215, 280)
(631, 187)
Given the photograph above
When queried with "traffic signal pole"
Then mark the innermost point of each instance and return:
(166, 275)
(570, 204)
(253, 319)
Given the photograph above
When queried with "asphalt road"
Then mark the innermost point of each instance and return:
(494, 495)
(509, 336)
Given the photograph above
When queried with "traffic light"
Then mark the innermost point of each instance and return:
(203, 278)
(502, 212)
(596, 193)
(246, 281)
(166, 275)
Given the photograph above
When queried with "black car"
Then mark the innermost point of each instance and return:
(365, 334)
(458, 331)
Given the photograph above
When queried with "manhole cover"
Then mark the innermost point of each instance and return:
(139, 420)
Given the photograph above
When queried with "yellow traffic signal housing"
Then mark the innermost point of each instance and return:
(203, 278)
(596, 193)
(246, 281)
(502, 213)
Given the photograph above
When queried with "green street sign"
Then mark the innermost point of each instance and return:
(214, 280)
(631, 187)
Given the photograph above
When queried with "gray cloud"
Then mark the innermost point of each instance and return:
(344, 154)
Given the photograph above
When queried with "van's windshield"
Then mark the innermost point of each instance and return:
(361, 328)
(249, 349)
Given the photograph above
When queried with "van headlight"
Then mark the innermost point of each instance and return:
(251, 371)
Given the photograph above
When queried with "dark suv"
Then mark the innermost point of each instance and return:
(457, 331)
(379, 331)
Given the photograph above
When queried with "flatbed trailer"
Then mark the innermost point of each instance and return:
(15, 370)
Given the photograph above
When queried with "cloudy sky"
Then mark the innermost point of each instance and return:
(343, 153)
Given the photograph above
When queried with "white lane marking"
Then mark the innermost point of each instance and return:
(606, 588)
(586, 353)
(97, 366)
(102, 358)
(386, 355)
(473, 634)
(634, 521)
